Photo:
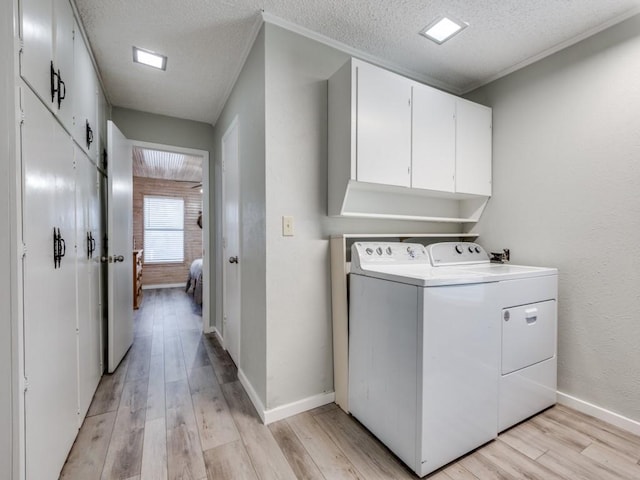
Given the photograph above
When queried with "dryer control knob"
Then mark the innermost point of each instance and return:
(477, 249)
(379, 250)
(369, 250)
(470, 249)
(389, 251)
(459, 249)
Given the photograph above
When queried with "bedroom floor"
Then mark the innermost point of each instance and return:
(174, 409)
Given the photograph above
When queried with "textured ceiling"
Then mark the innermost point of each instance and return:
(207, 41)
(166, 165)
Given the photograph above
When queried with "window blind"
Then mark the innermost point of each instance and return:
(163, 229)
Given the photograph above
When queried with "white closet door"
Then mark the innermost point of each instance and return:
(50, 361)
(89, 348)
(37, 51)
(85, 99)
(434, 139)
(383, 127)
(63, 58)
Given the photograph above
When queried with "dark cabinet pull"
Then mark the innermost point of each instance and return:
(89, 135)
(59, 247)
(53, 79)
(91, 245)
(55, 248)
(62, 92)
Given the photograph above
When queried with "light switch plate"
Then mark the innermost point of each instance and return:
(287, 226)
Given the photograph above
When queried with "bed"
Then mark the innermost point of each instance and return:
(194, 281)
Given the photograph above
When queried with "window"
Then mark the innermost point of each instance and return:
(163, 230)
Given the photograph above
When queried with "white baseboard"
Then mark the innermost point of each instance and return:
(253, 396)
(299, 406)
(284, 411)
(164, 285)
(608, 416)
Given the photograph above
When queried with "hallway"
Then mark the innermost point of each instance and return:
(174, 409)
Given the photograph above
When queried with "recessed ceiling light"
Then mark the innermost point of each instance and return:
(442, 29)
(149, 58)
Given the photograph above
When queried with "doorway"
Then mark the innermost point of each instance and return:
(173, 179)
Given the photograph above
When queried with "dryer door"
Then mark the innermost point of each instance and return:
(528, 335)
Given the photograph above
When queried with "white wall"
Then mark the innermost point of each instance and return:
(299, 341)
(280, 99)
(566, 193)
(7, 287)
(247, 103)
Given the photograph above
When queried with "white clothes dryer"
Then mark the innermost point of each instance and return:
(527, 312)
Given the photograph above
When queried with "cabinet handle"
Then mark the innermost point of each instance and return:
(53, 78)
(91, 245)
(55, 248)
(59, 247)
(89, 135)
(62, 92)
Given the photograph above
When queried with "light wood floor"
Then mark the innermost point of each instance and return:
(174, 409)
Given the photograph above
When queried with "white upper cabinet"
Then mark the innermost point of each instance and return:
(85, 105)
(473, 148)
(46, 62)
(433, 139)
(383, 125)
(402, 150)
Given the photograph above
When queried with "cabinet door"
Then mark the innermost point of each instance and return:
(50, 359)
(36, 28)
(63, 29)
(88, 323)
(383, 126)
(433, 139)
(473, 148)
(85, 100)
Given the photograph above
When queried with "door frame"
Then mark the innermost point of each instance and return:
(206, 224)
(223, 251)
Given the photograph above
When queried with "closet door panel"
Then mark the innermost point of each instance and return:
(49, 292)
(63, 58)
(89, 370)
(36, 30)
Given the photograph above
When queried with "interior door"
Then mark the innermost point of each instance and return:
(231, 243)
(120, 245)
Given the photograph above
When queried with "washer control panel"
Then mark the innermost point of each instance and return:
(387, 253)
(456, 253)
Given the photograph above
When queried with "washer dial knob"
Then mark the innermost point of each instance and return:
(369, 251)
(379, 250)
(459, 249)
(389, 251)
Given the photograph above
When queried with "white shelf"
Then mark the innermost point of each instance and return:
(368, 200)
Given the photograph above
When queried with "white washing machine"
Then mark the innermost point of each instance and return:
(446, 349)
(424, 354)
(527, 312)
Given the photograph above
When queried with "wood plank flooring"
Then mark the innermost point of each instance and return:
(174, 409)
